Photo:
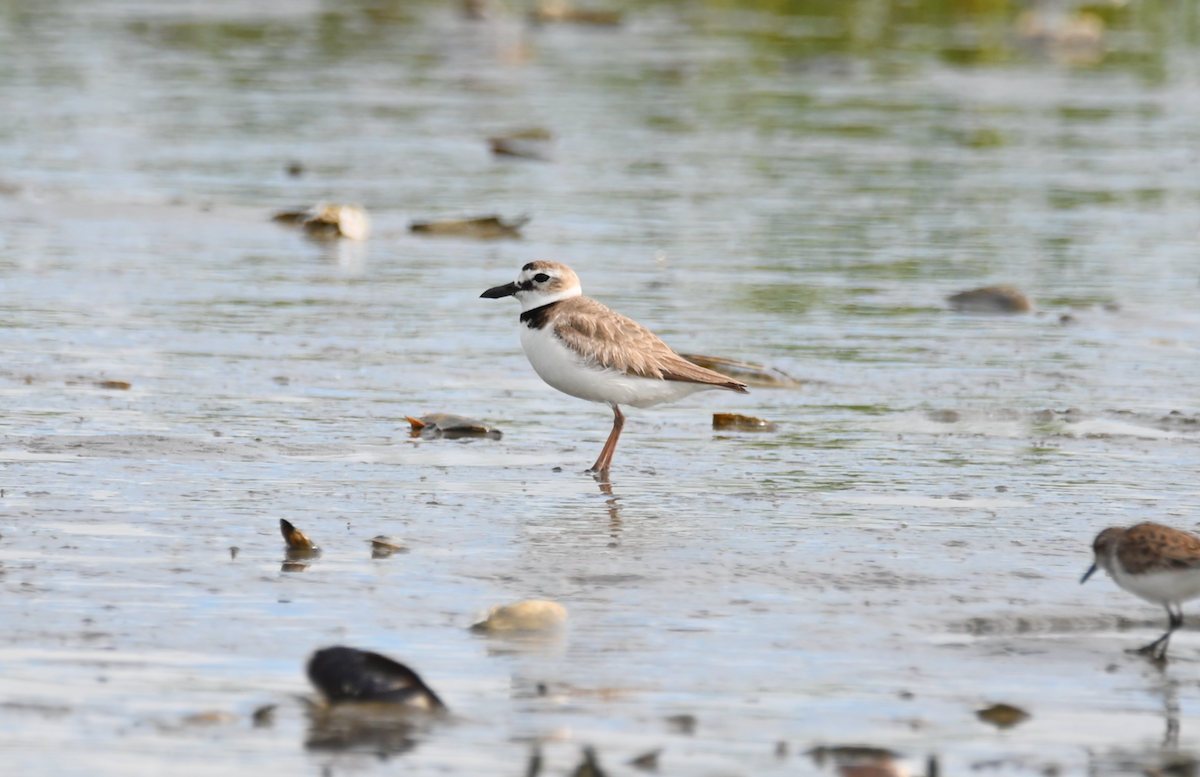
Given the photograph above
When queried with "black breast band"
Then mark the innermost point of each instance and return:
(536, 318)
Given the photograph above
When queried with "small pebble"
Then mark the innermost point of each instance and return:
(682, 724)
(990, 299)
(1002, 715)
(527, 144)
(264, 716)
(944, 416)
(647, 761)
(210, 718)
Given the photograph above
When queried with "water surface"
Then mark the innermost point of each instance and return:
(799, 185)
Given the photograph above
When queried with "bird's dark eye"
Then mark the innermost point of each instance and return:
(541, 277)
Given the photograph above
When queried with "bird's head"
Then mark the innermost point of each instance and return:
(539, 283)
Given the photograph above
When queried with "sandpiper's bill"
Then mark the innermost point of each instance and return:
(582, 348)
(1155, 562)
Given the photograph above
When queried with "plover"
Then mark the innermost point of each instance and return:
(582, 348)
(1155, 562)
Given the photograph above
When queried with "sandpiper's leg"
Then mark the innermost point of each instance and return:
(1157, 650)
(601, 465)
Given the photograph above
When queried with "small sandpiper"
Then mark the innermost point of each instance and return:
(1155, 562)
(582, 348)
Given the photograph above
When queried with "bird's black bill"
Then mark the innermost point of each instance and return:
(496, 292)
(1087, 574)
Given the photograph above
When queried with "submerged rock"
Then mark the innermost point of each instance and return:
(482, 228)
(751, 374)
(529, 615)
(990, 299)
(301, 551)
(373, 704)
(345, 674)
(526, 144)
(384, 546)
(295, 539)
(330, 220)
(682, 724)
(732, 422)
(451, 427)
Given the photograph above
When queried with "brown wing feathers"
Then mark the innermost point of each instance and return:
(1151, 546)
(611, 340)
(684, 371)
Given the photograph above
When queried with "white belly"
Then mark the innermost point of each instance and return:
(1174, 587)
(566, 371)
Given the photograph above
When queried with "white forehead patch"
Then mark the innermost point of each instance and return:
(541, 283)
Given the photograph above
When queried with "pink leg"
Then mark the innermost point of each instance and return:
(601, 465)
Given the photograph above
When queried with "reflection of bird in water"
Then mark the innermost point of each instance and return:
(374, 702)
(1171, 713)
(582, 348)
(1155, 562)
(1151, 760)
(614, 513)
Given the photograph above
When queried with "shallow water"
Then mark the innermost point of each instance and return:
(801, 190)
